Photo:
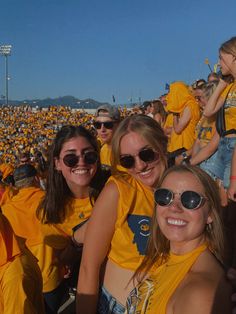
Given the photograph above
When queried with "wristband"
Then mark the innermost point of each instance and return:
(233, 178)
(185, 156)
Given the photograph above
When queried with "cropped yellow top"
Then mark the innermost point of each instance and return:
(154, 293)
(230, 106)
(132, 228)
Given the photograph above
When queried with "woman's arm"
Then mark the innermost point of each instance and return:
(100, 230)
(215, 102)
(180, 123)
(206, 151)
(232, 187)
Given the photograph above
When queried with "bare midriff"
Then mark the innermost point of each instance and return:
(118, 282)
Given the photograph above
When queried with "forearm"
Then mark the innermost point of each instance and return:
(87, 290)
(202, 155)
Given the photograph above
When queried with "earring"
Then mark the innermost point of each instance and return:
(209, 227)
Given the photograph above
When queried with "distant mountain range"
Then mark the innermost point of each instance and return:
(61, 101)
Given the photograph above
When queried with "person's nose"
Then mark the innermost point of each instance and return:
(140, 164)
(176, 205)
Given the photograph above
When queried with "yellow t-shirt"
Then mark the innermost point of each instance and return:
(20, 278)
(21, 212)
(132, 228)
(205, 130)
(154, 293)
(187, 136)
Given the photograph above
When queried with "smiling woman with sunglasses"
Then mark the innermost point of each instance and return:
(119, 227)
(74, 181)
(181, 272)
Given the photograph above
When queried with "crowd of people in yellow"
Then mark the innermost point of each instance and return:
(88, 200)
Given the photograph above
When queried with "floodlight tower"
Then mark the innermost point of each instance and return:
(5, 50)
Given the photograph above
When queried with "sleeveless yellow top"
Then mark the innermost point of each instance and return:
(132, 228)
(205, 130)
(154, 293)
(230, 106)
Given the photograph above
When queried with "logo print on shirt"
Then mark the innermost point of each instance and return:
(140, 226)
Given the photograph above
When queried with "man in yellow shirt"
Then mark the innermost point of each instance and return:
(106, 122)
(20, 210)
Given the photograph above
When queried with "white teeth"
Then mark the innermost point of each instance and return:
(143, 173)
(80, 171)
(176, 222)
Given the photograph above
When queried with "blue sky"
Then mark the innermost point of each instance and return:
(100, 48)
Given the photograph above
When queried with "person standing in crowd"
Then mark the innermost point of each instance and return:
(20, 278)
(223, 102)
(118, 229)
(74, 181)
(186, 112)
(20, 210)
(106, 122)
(181, 272)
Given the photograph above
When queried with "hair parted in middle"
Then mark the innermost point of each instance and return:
(147, 128)
(159, 246)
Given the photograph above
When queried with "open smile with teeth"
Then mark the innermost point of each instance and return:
(176, 222)
(145, 172)
(80, 171)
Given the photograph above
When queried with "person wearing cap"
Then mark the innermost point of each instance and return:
(106, 122)
(20, 210)
(20, 277)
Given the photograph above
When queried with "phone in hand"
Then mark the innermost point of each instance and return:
(227, 78)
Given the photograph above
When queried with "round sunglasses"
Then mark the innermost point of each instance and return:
(147, 155)
(189, 199)
(71, 160)
(108, 125)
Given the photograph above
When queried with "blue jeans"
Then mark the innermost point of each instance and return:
(107, 304)
(222, 162)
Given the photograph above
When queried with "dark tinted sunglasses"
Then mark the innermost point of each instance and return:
(189, 199)
(147, 155)
(71, 160)
(108, 124)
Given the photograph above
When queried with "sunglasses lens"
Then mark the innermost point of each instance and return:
(70, 160)
(97, 125)
(108, 125)
(127, 161)
(90, 157)
(147, 155)
(163, 197)
(191, 199)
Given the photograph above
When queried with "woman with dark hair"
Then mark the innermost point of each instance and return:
(181, 272)
(74, 181)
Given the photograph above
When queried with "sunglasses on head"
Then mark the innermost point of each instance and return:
(189, 199)
(147, 155)
(71, 160)
(108, 124)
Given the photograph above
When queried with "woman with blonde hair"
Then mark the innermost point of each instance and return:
(181, 272)
(118, 228)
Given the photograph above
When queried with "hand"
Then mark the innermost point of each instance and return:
(231, 192)
(179, 159)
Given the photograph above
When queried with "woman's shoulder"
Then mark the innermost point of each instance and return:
(204, 287)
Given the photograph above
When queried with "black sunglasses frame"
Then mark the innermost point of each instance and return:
(186, 203)
(147, 155)
(107, 125)
(71, 160)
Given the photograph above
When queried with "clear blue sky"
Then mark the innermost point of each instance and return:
(100, 48)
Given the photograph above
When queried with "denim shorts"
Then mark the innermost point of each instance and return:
(208, 165)
(108, 304)
(222, 162)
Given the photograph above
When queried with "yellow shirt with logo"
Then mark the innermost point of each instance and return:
(132, 228)
(230, 106)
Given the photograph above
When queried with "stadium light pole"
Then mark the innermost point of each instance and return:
(5, 50)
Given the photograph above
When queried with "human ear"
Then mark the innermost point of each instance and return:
(209, 220)
(57, 164)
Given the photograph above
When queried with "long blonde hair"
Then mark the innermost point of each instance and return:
(159, 246)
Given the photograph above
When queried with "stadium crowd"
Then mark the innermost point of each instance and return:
(70, 178)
